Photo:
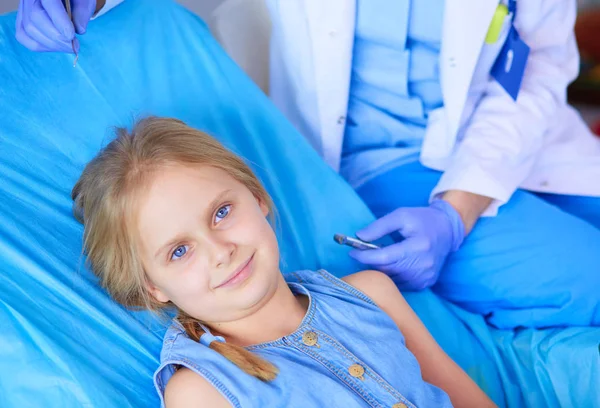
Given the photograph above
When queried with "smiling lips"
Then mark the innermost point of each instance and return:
(239, 275)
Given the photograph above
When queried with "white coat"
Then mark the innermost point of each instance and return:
(483, 141)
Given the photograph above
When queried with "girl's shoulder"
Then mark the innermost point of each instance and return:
(180, 351)
(186, 385)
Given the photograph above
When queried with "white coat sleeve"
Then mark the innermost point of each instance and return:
(500, 145)
(110, 4)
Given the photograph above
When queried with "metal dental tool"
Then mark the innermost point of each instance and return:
(70, 14)
(353, 242)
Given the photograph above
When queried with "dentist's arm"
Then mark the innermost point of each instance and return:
(468, 205)
(497, 153)
(43, 25)
(502, 141)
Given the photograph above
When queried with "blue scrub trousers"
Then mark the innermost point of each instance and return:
(536, 264)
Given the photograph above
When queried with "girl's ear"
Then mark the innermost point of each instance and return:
(156, 293)
(263, 207)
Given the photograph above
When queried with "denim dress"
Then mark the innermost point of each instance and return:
(346, 352)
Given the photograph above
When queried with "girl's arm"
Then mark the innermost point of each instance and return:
(186, 389)
(436, 367)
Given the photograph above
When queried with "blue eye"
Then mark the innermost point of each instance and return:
(179, 252)
(222, 212)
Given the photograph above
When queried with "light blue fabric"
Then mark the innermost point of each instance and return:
(532, 265)
(586, 208)
(394, 85)
(64, 341)
(350, 329)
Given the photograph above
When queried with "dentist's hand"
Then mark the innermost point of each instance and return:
(430, 234)
(43, 25)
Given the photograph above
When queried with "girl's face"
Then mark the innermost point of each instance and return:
(205, 243)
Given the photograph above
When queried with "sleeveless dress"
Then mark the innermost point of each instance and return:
(347, 352)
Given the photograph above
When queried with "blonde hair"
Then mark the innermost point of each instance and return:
(104, 198)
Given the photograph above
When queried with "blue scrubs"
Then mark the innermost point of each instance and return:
(390, 99)
(537, 263)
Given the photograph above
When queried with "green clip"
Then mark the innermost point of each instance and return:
(496, 26)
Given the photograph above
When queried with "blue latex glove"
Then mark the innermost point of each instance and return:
(430, 234)
(43, 25)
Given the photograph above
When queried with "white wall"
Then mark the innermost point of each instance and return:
(202, 7)
(8, 5)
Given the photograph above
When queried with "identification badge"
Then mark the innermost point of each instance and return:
(509, 67)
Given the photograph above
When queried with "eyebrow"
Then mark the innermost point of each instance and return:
(181, 237)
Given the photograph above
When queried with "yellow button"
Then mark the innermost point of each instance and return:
(399, 405)
(310, 338)
(356, 370)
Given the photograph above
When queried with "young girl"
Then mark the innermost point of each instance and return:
(174, 220)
